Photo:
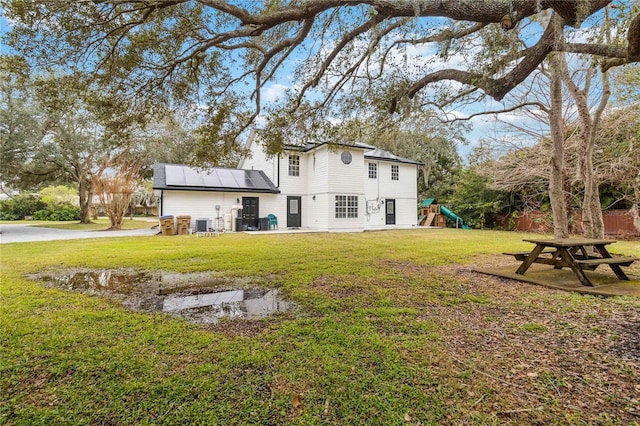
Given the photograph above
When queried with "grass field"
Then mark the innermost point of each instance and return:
(390, 328)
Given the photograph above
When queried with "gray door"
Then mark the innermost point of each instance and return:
(391, 212)
(294, 212)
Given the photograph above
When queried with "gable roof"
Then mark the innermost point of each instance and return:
(381, 154)
(181, 177)
(371, 152)
(311, 146)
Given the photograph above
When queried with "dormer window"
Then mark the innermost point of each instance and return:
(294, 165)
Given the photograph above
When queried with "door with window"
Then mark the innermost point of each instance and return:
(250, 211)
(391, 212)
(294, 212)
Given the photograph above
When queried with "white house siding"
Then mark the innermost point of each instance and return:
(315, 213)
(345, 179)
(403, 190)
(257, 160)
(201, 204)
(293, 185)
(323, 176)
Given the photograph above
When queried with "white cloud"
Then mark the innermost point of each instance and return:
(273, 93)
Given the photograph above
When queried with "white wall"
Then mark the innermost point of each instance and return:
(323, 176)
(201, 204)
(293, 185)
(257, 160)
(404, 191)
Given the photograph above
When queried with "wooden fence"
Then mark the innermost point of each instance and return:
(616, 222)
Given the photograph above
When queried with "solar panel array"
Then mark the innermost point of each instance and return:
(215, 178)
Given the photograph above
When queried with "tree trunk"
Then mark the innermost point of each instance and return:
(426, 172)
(634, 208)
(636, 217)
(556, 179)
(592, 222)
(85, 192)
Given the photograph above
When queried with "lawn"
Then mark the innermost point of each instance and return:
(391, 328)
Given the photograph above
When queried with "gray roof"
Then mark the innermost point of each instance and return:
(181, 177)
(309, 145)
(381, 154)
(371, 152)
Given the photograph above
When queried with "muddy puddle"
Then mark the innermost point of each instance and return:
(202, 297)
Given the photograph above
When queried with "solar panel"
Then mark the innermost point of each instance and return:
(211, 179)
(234, 179)
(175, 175)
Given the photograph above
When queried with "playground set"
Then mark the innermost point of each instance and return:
(434, 214)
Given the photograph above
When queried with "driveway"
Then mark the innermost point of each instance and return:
(21, 233)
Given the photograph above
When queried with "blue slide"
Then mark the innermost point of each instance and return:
(451, 215)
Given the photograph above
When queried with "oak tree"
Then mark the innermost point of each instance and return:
(218, 52)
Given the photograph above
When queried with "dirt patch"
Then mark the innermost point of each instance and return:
(547, 354)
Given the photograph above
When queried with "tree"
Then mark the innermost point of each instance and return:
(115, 185)
(474, 200)
(20, 126)
(416, 135)
(74, 143)
(168, 51)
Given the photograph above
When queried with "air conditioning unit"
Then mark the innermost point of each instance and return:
(203, 225)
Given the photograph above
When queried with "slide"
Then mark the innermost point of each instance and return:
(451, 215)
(428, 220)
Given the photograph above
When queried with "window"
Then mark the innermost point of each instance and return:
(346, 157)
(294, 165)
(346, 206)
(395, 172)
(373, 171)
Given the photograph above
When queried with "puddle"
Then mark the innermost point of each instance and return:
(202, 297)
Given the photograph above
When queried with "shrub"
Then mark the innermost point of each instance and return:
(20, 206)
(42, 215)
(8, 216)
(66, 213)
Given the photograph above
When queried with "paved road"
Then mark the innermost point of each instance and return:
(20, 233)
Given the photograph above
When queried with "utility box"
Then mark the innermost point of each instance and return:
(203, 225)
(184, 223)
(166, 225)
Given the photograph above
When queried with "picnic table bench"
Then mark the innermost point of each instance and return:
(577, 254)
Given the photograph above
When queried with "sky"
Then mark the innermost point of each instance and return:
(482, 126)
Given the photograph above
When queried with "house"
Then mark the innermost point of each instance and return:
(324, 187)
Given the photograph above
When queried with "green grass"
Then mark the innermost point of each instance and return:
(391, 328)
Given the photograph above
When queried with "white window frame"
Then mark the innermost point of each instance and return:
(373, 171)
(346, 206)
(395, 172)
(294, 165)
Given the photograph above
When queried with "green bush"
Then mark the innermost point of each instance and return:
(29, 205)
(21, 206)
(42, 215)
(8, 216)
(66, 213)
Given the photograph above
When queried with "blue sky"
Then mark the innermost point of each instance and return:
(483, 126)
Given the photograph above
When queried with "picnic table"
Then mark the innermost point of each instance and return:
(577, 254)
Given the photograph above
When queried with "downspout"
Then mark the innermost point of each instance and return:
(378, 179)
(278, 185)
(162, 202)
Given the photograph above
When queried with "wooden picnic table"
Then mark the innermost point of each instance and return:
(577, 254)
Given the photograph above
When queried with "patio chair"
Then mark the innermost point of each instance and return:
(273, 221)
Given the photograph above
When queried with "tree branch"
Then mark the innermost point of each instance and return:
(501, 111)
